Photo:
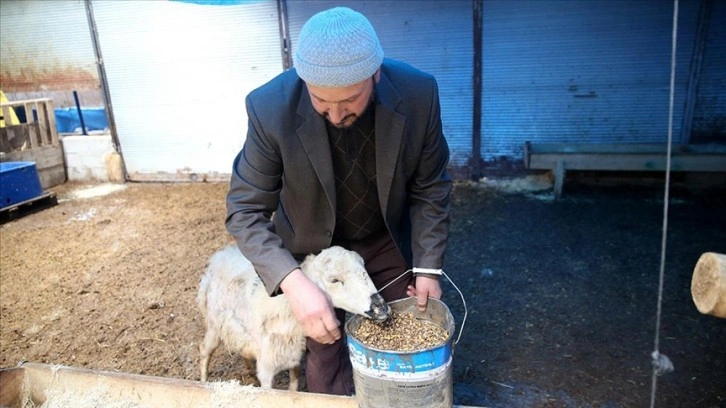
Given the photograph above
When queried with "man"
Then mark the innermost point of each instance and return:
(345, 149)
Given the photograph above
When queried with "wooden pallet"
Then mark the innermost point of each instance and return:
(28, 207)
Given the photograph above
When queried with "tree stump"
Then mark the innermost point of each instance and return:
(708, 286)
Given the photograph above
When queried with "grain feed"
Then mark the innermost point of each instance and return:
(403, 332)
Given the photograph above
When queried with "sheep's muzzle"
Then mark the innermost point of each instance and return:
(380, 311)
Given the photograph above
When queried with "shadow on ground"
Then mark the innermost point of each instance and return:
(562, 297)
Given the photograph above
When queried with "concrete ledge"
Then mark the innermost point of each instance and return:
(90, 157)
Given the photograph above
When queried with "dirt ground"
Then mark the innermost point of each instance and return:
(561, 294)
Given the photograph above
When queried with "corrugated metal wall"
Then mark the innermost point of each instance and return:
(709, 118)
(46, 52)
(434, 36)
(178, 74)
(587, 71)
(595, 71)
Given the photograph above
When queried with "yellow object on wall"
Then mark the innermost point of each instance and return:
(7, 110)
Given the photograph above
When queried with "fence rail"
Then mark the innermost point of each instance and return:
(31, 127)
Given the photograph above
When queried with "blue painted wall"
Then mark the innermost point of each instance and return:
(709, 117)
(433, 36)
(586, 71)
(593, 71)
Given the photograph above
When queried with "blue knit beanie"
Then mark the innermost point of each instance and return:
(337, 48)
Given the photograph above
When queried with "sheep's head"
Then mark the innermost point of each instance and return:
(342, 275)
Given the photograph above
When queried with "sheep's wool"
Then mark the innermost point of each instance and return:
(337, 48)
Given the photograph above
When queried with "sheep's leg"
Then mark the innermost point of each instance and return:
(206, 349)
(266, 367)
(265, 374)
(294, 378)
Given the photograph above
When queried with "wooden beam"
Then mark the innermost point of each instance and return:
(621, 148)
(149, 391)
(34, 382)
(628, 162)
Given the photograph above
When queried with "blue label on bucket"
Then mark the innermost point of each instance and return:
(399, 362)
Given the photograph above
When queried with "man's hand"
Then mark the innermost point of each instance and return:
(312, 307)
(425, 287)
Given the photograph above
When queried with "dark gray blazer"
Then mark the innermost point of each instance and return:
(285, 168)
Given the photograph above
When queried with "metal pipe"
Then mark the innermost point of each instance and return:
(285, 43)
(475, 162)
(104, 82)
(80, 113)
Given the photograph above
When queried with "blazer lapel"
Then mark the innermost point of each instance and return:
(314, 137)
(389, 135)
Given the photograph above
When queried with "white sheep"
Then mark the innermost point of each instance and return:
(239, 313)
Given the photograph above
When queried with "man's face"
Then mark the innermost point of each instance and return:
(343, 106)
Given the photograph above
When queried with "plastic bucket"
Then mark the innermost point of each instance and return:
(390, 379)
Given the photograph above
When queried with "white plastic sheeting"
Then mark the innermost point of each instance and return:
(178, 74)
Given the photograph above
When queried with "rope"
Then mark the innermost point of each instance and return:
(661, 363)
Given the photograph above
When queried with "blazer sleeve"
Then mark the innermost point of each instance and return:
(252, 198)
(429, 193)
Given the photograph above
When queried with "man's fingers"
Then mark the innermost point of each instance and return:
(422, 299)
(331, 326)
(323, 330)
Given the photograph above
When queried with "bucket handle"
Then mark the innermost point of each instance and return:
(463, 301)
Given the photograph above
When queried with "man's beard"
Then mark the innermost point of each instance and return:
(347, 121)
(350, 119)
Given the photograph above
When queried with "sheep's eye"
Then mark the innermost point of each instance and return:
(336, 281)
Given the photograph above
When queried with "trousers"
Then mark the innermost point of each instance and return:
(328, 369)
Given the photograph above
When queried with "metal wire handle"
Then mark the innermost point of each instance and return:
(463, 301)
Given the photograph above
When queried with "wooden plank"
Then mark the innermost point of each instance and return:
(27, 207)
(34, 381)
(620, 148)
(560, 157)
(167, 392)
(42, 111)
(32, 136)
(52, 124)
(536, 148)
(35, 133)
(629, 162)
(30, 122)
(20, 102)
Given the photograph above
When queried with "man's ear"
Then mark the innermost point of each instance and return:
(377, 76)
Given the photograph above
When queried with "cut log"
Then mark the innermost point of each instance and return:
(708, 286)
